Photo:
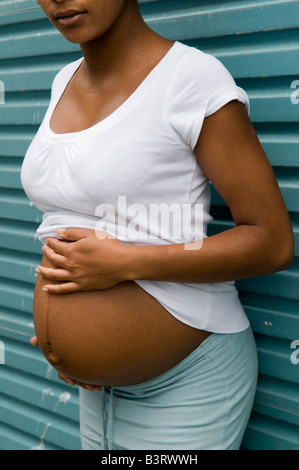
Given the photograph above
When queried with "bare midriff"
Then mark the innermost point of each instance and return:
(118, 336)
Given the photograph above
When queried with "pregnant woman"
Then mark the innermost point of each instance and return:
(133, 302)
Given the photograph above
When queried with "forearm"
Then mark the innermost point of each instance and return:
(242, 252)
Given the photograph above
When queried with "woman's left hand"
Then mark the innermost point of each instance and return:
(92, 261)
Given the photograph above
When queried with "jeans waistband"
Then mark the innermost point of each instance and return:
(214, 342)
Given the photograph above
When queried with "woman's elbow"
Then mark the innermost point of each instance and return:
(283, 252)
(288, 256)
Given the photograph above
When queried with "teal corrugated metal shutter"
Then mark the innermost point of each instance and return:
(37, 410)
(258, 43)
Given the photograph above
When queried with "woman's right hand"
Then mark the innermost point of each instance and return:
(67, 380)
(90, 388)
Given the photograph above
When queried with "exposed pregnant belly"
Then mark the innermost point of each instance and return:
(118, 336)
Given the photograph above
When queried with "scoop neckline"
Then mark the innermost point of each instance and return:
(112, 118)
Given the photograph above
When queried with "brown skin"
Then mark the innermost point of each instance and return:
(118, 336)
(119, 52)
(228, 151)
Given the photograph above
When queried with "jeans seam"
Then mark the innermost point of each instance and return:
(212, 360)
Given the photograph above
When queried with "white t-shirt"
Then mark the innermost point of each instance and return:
(134, 175)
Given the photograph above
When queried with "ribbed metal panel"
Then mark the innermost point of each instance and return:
(259, 43)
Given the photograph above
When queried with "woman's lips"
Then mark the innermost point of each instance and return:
(71, 19)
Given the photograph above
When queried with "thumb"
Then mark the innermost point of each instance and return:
(73, 234)
(34, 341)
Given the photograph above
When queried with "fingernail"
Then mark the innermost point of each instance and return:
(71, 382)
(37, 270)
(60, 232)
(45, 289)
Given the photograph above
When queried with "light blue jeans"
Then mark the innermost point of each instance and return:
(203, 403)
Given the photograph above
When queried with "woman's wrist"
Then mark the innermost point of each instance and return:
(128, 257)
(147, 261)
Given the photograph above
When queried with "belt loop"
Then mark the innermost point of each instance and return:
(103, 391)
(110, 420)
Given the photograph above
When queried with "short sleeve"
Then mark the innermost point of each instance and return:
(200, 86)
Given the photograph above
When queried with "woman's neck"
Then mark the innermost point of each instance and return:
(128, 46)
